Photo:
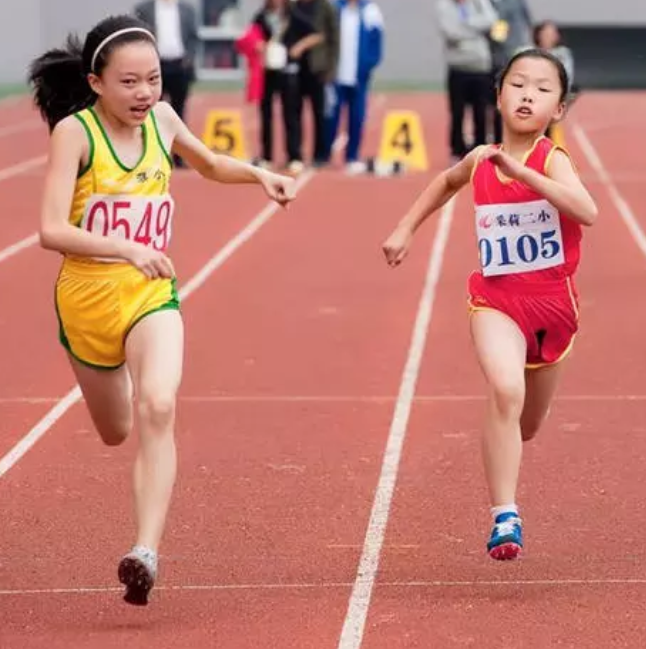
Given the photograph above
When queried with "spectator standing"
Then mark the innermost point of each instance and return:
(548, 37)
(287, 36)
(251, 45)
(510, 33)
(174, 24)
(318, 66)
(465, 26)
(361, 51)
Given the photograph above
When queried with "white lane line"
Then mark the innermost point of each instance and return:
(22, 167)
(94, 590)
(39, 429)
(17, 247)
(356, 615)
(11, 172)
(198, 280)
(624, 209)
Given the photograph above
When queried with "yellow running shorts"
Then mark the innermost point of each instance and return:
(99, 303)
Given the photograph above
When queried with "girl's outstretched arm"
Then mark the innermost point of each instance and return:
(441, 189)
(218, 167)
(562, 186)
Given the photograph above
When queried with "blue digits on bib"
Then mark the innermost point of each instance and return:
(527, 249)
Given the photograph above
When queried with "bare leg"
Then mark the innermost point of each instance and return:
(154, 350)
(540, 385)
(501, 350)
(108, 396)
(155, 356)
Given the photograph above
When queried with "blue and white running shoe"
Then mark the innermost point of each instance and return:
(506, 540)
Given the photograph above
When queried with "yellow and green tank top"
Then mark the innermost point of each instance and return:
(115, 200)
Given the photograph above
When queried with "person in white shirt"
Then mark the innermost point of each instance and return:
(360, 52)
(174, 24)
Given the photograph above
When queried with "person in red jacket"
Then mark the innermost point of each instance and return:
(251, 45)
(530, 206)
(285, 38)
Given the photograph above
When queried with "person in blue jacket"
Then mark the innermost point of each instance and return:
(361, 48)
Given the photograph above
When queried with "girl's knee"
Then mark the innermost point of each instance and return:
(114, 437)
(156, 410)
(115, 433)
(531, 424)
(508, 398)
(529, 430)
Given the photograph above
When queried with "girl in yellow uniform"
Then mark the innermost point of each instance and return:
(107, 208)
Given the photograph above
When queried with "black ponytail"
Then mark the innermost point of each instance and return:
(59, 81)
(59, 77)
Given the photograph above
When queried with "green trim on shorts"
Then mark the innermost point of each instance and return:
(63, 339)
(172, 305)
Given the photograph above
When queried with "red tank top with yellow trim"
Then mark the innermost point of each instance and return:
(521, 236)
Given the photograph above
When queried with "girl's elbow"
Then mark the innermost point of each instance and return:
(46, 239)
(49, 238)
(591, 214)
(209, 169)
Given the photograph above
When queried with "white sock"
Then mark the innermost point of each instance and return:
(148, 554)
(501, 509)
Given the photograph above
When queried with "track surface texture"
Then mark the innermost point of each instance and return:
(330, 491)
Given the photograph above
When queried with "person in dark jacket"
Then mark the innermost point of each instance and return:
(465, 26)
(511, 32)
(287, 37)
(318, 66)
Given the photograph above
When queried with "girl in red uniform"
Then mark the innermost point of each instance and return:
(530, 206)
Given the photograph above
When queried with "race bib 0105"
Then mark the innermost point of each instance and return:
(144, 219)
(518, 237)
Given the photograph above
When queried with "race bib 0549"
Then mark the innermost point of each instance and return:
(518, 237)
(144, 219)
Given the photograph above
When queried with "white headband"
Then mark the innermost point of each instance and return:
(121, 32)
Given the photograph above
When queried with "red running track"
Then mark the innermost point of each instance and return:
(295, 350)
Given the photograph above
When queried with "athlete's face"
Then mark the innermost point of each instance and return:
(530, 97)
(130, 83)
